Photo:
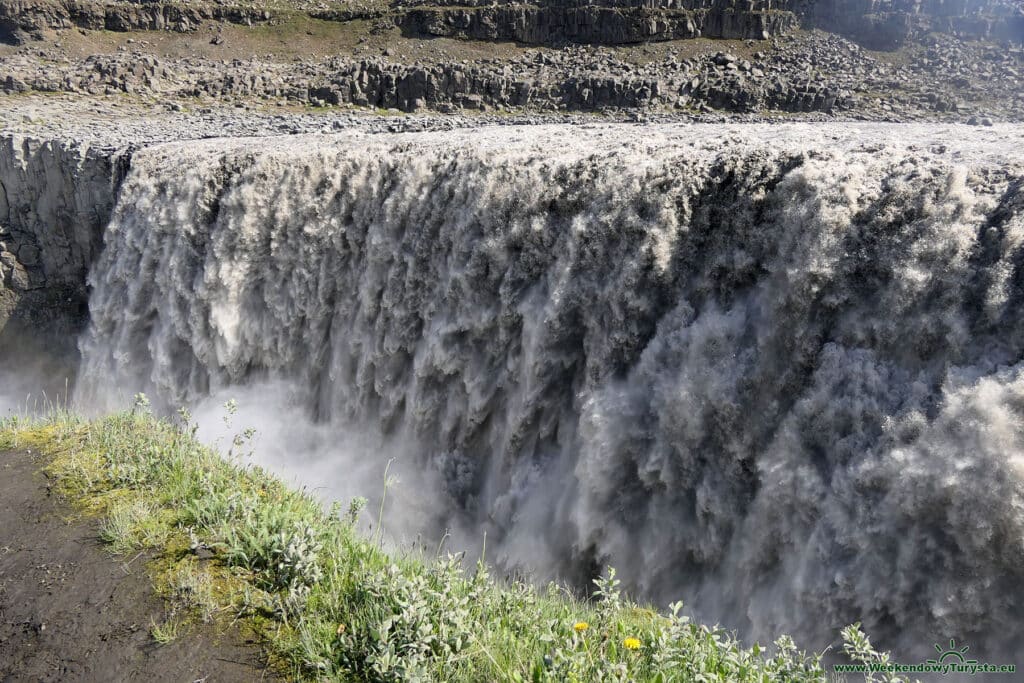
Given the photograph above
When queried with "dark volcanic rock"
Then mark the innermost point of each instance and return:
(879, 24)
(882, 24)
(21, 18)
(560, 22)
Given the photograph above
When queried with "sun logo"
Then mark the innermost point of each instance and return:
(953, 652)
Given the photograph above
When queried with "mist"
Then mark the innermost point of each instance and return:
(334, 462)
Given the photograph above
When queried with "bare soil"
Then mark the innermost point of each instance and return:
(70, 611)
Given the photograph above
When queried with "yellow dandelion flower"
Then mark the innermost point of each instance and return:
(631, 644)
(580, 626)
(341, 629)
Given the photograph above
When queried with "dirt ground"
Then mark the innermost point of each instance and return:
(70, 611)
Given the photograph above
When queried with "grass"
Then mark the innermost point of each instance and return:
(231, 544)
(166, 632)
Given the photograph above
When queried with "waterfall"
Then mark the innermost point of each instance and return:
(775, 372)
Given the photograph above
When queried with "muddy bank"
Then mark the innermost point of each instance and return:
(69, 611)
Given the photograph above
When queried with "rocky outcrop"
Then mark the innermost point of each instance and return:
(592, 23)
(22, 19)
(551, 22)
(569, 80)
(940, 78)
(882, 24)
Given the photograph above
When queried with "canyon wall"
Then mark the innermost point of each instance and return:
(605, 23)
(55, 200)
(877, 24)
(21, 20)
(881, 24)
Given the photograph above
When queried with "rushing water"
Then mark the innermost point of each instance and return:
(777, 372)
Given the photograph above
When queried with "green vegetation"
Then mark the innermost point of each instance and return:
(231, 544)
(166, 632)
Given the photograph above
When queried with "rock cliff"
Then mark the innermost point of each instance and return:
(882, 24)
(55, 198)
(605, 23)
(22, 19)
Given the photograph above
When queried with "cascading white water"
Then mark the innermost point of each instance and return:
(777, 372)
